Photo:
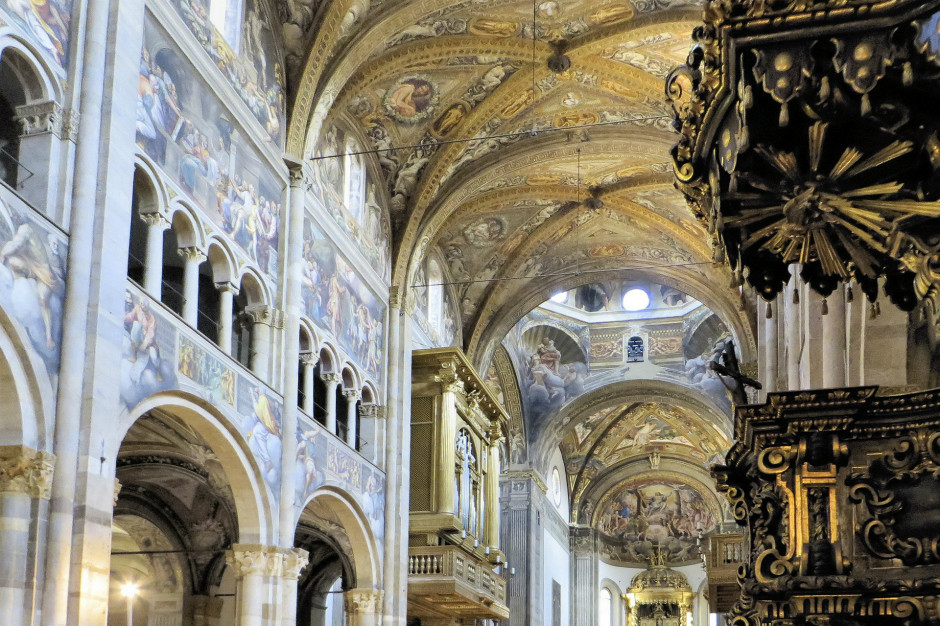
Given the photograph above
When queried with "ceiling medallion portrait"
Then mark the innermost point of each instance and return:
(411, 99)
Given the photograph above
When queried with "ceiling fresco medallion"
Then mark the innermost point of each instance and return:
(411, 99)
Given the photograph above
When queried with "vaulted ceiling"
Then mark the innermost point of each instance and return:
(506, 209)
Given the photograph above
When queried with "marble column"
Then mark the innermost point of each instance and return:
(770, 347)
(262, 319)
(833, 340)
(352, 396)
(25, 476)
(363, 607)
(294, 561)
(227, 292)
(397, 447)
(584, 576)
(794, 330)
(309, 362)
(300, 182)
(371, 416)
(206, 610)
(153, 264)
(193, 257)
(332, 382)
(521, 538)
(249, 563)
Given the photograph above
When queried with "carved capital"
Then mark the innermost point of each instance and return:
(41, 117)
(227, 286)
(193, 254)
(294, 561)
(117, 490)
(248, 559)
(261, 314)
(351, 395)
(330, 378)
(372, 411)
(362, 601)
(155, 219)
(310, 358)
(70, 119)
(24, 470)
(299, 177)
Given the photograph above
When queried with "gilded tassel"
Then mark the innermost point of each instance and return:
(796, 295)
(866, 105)
(824, 91)
(849, 294)
(784, 116)
(825, 307)
(769, 314)
(907, 74)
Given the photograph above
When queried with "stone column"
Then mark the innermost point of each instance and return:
(294, 560)
(194, 257)
(45, 133)
(227, 293)
(443, 501)
(25, 475)
(309, 361)
(153, 265)
(770, 347)
(206, 610)
(521, 539)
(363, 607)
(332, 382)
(371, 416)
(584, 576)
(833, 340)
(249, 563)
(791, 320)
(262, 318)
(352, 395)
(398, 447)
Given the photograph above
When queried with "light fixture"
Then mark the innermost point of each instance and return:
(130, 590)
(560, 297)
(636, 300)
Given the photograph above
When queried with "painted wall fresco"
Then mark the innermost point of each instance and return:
(33, 261)
(646, 513)
(252, 69)
(186, 130)
(337, 299)
(158, 357)
(46, 22)
(342, 186)
(322, 460)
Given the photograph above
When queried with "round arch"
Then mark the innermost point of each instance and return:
(28, 413)
(254, 502)
(349, 516)
(44, 76)
(189, 229)
(621, 392)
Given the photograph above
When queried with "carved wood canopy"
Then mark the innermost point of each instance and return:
(807, 137)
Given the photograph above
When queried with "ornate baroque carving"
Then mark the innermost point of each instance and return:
(24, 470)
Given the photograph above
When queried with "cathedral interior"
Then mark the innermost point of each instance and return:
(469, 312)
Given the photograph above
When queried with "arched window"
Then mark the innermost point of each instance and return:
(9, 138)
(605, 610)
(227, 17)
(354, 180)
(634, 350)
(435, 295)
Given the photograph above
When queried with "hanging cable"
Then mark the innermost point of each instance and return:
(521, 133)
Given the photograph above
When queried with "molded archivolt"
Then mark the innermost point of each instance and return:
(255, 501)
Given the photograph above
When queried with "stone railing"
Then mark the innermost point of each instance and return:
(726, 551)
(427, 563)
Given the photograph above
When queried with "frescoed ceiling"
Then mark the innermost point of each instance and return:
(528, 176)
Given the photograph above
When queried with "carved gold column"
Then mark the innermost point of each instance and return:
(491, 487)
(363, 607)
(444, 493)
